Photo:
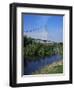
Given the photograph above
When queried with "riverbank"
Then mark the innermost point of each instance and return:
(33, 50)
(56, 67)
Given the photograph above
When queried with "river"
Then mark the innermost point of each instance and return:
(32, 66)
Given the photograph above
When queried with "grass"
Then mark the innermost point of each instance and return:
(53, 68)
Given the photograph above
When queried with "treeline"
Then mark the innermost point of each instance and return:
(33, 49)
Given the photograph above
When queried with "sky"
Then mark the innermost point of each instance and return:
(48, 27)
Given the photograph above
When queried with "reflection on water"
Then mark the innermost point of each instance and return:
(32, 66)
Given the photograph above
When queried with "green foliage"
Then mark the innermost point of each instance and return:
(32, 48)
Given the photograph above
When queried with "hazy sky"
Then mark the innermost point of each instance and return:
(53, 25)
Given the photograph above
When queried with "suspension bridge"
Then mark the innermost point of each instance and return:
(37, 33)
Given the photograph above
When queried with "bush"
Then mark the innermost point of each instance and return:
(36, 49)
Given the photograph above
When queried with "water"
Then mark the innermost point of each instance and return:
(32, 66)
